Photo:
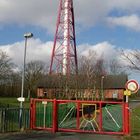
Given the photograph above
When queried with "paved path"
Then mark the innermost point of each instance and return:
(58, 136)
(133, 104)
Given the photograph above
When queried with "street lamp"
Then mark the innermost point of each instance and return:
(102, 87)
(21, 99)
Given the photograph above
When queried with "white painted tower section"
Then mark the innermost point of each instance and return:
(65, 43)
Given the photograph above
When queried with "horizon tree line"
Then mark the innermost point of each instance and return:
(91, 66)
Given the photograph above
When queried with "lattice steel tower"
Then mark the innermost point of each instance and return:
(64, 55)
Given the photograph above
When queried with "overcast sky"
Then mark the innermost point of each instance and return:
(101, 25)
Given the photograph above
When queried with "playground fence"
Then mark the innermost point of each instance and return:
(9, 119)
(102, 117)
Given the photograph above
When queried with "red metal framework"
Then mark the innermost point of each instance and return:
(64, 55)
(86, 116)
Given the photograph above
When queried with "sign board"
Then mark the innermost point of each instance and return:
(133, 86)
(21, 99)
(127, 92)
(44, 102)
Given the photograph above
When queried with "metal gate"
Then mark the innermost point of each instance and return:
(9, 119)
(100, 117)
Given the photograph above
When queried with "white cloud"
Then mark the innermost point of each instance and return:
(124, 5)
(130, 22)
(29, 12)
(36, 50)
(103, 49)
(44, 13)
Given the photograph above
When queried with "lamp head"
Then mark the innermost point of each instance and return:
(28, 35)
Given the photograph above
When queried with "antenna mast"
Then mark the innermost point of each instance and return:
(64, 55)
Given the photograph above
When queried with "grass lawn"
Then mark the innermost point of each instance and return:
(135, 125)
(12, 102)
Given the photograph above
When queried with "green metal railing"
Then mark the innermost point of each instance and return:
(9, 119)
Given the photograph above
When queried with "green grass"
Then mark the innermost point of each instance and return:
(11, 123)
(135, 125)
(12, 102)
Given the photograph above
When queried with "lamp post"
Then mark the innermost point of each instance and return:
(21, 99)
(102, 87)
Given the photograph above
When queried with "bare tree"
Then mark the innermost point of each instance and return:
(87, 64)
(9, 78)
(90, 68)
(100, 67)
(133, 59)
(115, 68)
(5, 66)
(33, 73)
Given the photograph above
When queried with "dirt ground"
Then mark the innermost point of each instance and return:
(41, 135)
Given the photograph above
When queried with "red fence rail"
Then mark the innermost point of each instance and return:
(100, 117)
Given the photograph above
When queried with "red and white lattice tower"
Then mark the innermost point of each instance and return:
(64, 56)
